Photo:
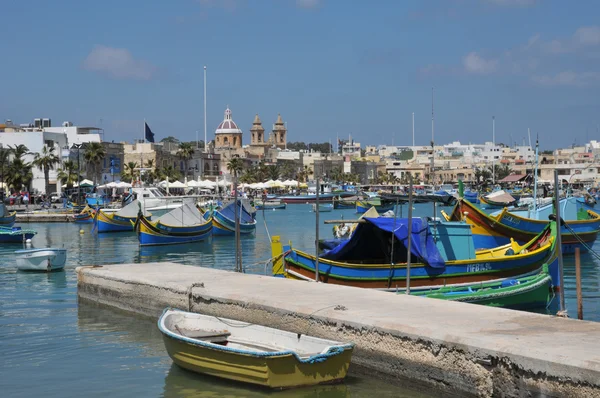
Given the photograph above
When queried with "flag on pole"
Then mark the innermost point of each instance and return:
(148, 134)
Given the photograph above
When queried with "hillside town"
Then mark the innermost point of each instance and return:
(43, 158)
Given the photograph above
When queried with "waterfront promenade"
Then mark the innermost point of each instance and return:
(451, 347)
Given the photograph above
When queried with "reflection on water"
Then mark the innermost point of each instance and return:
(71, 349)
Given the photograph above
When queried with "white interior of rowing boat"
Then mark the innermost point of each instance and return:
(243, 336)
(131, 210)
(185, 216)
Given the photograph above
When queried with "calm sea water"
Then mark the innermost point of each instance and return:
(53, 345)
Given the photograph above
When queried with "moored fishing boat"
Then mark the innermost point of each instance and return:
(527, 292)
(15, 234)
(497, 200)
(7, 218)
(44, 259)
(184, 224)
(121, 220)
(325, 207)
(224, 220)
(363, 205)
(374, 258)
(344, 204)
(311, 198)
(273, 204)
(494, 230)
(252, 354)
(86, 216)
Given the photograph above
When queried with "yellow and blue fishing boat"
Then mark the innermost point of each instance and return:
(224, 220)
(86, 216)
(252, 354)
(121, 220)
(363, 205)
(442, 254)
(184, 224)
(7, 218)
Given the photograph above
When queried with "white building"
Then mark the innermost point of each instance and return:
(34, 138)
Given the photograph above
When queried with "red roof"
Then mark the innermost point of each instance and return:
(513, 178)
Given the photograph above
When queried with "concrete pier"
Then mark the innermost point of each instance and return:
(43, 217)
(454, 348)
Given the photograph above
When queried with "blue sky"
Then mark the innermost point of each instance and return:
(328, 66)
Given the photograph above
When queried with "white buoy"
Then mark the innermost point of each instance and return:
(28, 241)
(81, 231)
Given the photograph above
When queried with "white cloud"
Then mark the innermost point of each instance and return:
(587, 35)
(568, 78)
(512, 3)
(474, 63)
(118, 63)
(308, 3)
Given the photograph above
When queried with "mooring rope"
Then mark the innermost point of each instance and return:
(567, 226)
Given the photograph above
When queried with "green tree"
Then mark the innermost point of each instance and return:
(235, 166)
(287, 170)
(19, 174)
(170, 139)
(45, 161)
(336, 174)
(18, 151)
(273, 172)
(4, 164)
(93, 154)
(185, 152)
(170, 173)
(68, 173)
(129, 173)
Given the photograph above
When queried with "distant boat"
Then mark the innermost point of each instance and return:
(497, 200)
(224, 220)
(344, 204)
(7, 218)
(250, 353)
(44, 259)
(274, 204)
(85, 217)
(121, 220)
(311, 198)
(15, 234)
(363, 205)
(182, 225)
(323, 207)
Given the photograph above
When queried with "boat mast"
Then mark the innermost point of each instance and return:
(409, 239)
(317, 228)
(205, 142)
(494, 150)
(413, 130)
(535, 177)
(432, 146)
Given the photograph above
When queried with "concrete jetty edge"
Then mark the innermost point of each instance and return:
(43, 217)
(451, 347)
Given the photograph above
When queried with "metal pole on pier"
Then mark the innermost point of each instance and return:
(578, 283)
(409, 240)
(237, 223)
(494, 150)
(204, 111)
(559, 243)
(413, 125)
(317, 229)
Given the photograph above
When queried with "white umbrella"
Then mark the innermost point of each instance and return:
(177, 184)
(163, 184)
(290, 183)
(223, 183)
(123, 184)
(193, 184)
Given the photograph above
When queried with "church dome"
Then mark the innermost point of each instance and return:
(228, 125)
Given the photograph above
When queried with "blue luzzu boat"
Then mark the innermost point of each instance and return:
(7, 218)
(363, 205)
(184, 224)
(119, 221)
(443, 254)
(224, 220)
(15, 234)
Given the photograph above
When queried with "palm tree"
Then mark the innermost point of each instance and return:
(171, 173)
(4, 163)
(93, 155)
(68, 173)
(45, 161)
(273, 172)
(129, 172)
(185, 152)
(150, 175)
(235, 166)
(19, 150)
(336, 174)
(19, 174)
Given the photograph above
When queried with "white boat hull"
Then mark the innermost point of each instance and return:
(43, 260)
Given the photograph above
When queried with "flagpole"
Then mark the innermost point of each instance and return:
(142, 150)
(205, 142)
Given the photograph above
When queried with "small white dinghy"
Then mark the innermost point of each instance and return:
(45, 259)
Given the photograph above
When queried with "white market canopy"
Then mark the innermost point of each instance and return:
(177, 184)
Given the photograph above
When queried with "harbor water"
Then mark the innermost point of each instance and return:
(54, 345)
